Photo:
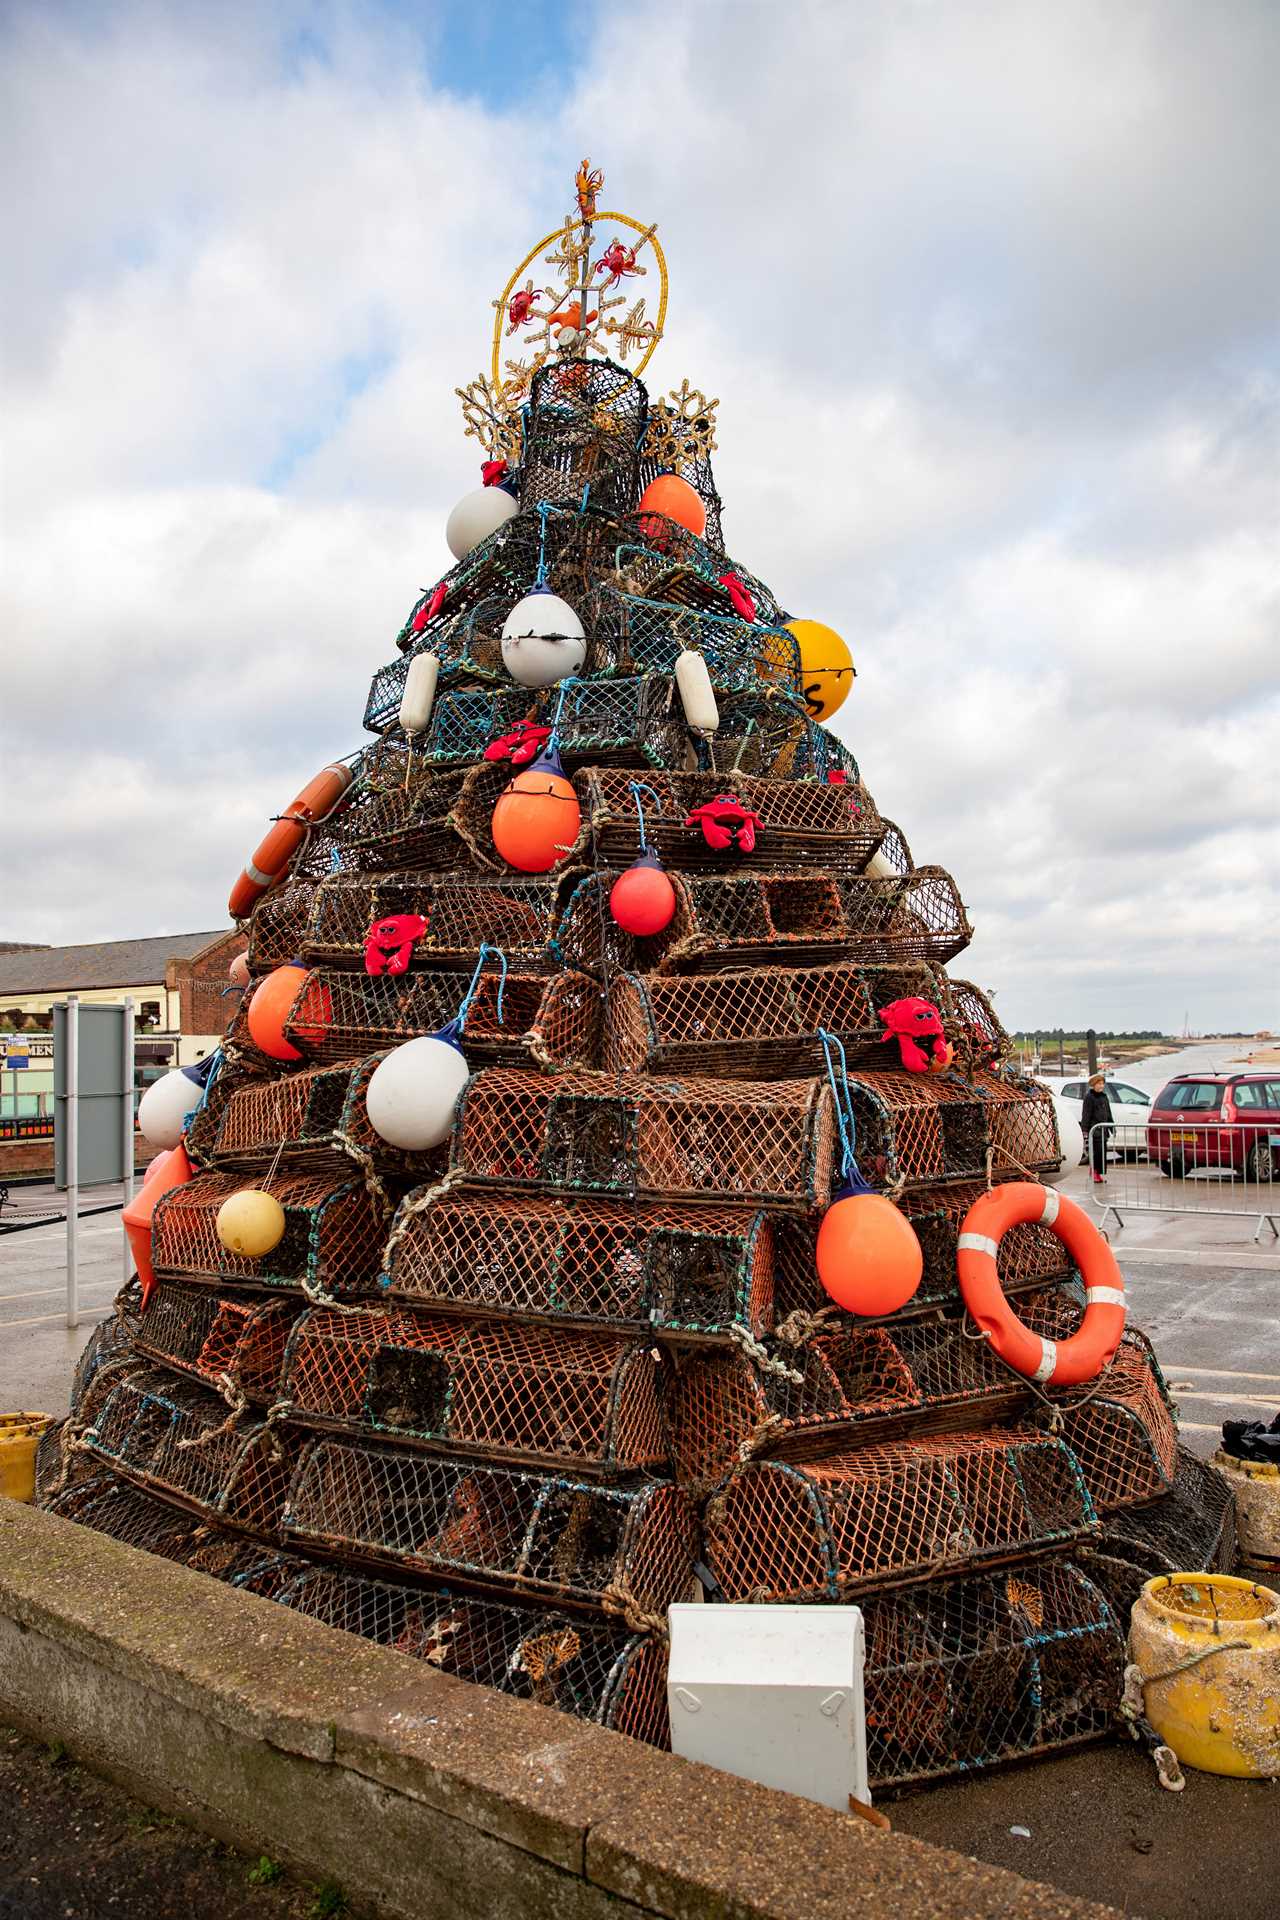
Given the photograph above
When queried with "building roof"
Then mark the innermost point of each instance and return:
(101, 963)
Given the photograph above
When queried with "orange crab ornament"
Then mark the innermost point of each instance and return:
(913, 1022)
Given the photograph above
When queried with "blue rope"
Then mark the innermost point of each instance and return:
(845, 1118)
(637, 788)
(586, 495)
(485, 951)
(540, 579)
(219, 1061)
(553, 738)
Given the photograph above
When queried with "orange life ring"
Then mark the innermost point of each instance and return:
(273, 856)
(1065, 1363)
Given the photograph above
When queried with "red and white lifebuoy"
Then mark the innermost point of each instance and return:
(273, 856)
(1061, 1363)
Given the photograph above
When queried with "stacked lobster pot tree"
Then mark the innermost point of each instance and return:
(606, 1192)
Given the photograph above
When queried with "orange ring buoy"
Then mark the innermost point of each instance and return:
(273, 856)
(1065, 1363)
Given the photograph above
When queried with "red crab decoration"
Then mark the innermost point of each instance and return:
(430, 608)
(616, 261)
(725, 823)
(389, 943)
(494, 472)
(742, 601)
(523, 744)
(911, 1022)
(520, 308)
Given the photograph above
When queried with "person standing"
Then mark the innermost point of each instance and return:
(1095, 1112)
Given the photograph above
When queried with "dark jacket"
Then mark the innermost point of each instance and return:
(1095, 1109)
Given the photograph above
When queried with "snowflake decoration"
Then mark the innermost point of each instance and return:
(489, 420)
(681, 428)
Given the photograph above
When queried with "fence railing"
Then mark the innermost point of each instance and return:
(1193, 1167)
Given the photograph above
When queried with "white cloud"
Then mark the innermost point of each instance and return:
(984, 293)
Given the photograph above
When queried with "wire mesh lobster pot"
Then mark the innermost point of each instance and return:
(973, 1027)
(757, 1021)
(697, 472)
(112, 1339)
(635, 635)
(1028, 1256)
(692, 1270)
(749, 919)
(802, 823)
(540, 1534)
(312, 1118)
(219, 1339)
(473, 818)
(917, 1129)
(175, 1436)
(989, 1667)
(595, 1671)
(679, 567)
(769, 732)
(764, 1141)
(582, 434)
(520, 916)
(1122, 1430)
(340, 1015)
(548, 1396)
(464, 719)
(126, 1513)
(1189, 1529)
(400, 816)
(892, 1513)
(332, 1242)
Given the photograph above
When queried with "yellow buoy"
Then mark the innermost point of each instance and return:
(250, 1223)
(19, 1437)
(1256, 1485)
(1207, 1650)
(826, 667)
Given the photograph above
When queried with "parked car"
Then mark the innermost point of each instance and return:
(1229, 1120)
(1130, 1106)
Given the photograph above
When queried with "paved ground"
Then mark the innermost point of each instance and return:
(37, 1349)
(73, 1847)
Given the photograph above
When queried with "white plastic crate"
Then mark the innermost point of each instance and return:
(773, 1694)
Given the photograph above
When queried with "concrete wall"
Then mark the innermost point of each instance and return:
(423, 1795)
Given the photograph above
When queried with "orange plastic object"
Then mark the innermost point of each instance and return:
(273, 855)
(677, 500)
(869, 1259)
(270, 1007)
(167, 1170)
(535, 822)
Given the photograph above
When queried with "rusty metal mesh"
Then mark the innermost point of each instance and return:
(582, 434)
(332, 1244)
(520, 916)
(340, 1015)
(635, 634)
(175, 1435)
(761, 1141)
(770, 919)
(546, 1395)
(680, 1269)
(988, 1667)
(888, 1513)
(525, 1532)
(219, 1339)
(110, 1340)
(398, 815)
(126, 1513)
(278, 925)
(1122, 1430)
(802, 823)
(1191, 1528)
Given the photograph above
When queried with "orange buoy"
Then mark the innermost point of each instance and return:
(167, 1170)
(869, 1259)
(674, 498)
(273, 856)
(270, 1007)
(537, 818)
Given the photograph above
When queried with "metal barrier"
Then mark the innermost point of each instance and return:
(1232, 1170)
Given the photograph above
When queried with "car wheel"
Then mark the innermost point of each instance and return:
(1260, 1164)
(1165, 1167)
(1177, 1166)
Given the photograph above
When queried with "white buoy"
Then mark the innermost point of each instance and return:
(542, 640)
(413, 1092)
(419, 694)
(697, 696)
(878, 868)
(163, 1108)
(475, 517)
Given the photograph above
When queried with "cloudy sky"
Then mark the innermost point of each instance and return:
(988, 292)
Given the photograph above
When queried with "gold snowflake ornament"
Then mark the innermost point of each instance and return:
(681, 427)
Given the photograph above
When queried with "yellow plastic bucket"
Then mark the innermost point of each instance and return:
(1256, 1485)
(1207, 1647)
(19, 1437)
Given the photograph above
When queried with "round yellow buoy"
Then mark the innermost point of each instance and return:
(19, 1437)
(1207, 1650)
(250, 1223)
(826, 667)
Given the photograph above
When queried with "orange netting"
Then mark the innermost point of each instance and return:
(332, 1243)
(519, 916)
(219, 1339)
(341, 1016)
(802, 823)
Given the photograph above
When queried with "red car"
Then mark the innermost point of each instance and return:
(1217, 1120)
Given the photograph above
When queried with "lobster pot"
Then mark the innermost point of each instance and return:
(748, 919)
(545, 1395)
(771, 733)
(760, 1021)
(219, 1339)
(697, 472)
(582, 434)
(1125, 1436)
(53, 1462)
(693, 1270)
(596, 1671)
(686, 571)
(473, 818)
(277, 926)
(400, 816)
(237, 1469)
(626, 722)
(540, 1534)
(111, 1340)
(1189, 1529)
(340, 1015)
(464, 719)
(802, 824)
(520, 916)
(124, 1512)
(205, 1123)
(332, 1240)
(973, 1027)
(635, 635)
(986, 1668)
(762, 1141)
(312, 1118)
(892, 1513)
(1029, 1255)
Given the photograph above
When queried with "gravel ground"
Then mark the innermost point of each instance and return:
(73, 1847)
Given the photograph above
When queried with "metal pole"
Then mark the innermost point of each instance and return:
(1062, 1058)
(1091, 1039)
(73, 1159)
(127, 1125)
